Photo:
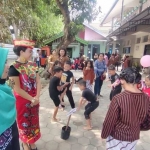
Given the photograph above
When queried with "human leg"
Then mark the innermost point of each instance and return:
(100, 86)
(70, 98)
(96, 86)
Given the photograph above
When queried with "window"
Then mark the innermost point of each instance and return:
(138, 40)
(145, 39)
(126, 50)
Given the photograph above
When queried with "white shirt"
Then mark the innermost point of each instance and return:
(37, 57)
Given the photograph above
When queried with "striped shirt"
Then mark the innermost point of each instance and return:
(127, 115)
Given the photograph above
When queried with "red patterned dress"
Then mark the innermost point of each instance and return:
(27, 116)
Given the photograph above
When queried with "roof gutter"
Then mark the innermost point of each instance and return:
(116, 1)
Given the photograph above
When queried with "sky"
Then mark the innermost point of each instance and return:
(105, 6)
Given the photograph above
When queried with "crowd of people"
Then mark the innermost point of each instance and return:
(128, 113)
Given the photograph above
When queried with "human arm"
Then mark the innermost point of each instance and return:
(73, 81)
(110, 119)
(85, 71)
(80, 103)
(38, 83)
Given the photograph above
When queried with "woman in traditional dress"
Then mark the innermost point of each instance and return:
(9, 138)
(128, 114)
(27, 86)
(62, 57)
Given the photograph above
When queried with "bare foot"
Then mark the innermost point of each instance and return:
(87, 128)
(32, 146)
(55, 120)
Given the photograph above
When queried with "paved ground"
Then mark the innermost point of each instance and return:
(79, 138)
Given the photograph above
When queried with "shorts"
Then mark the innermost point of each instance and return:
(56, 100)
(114, 92)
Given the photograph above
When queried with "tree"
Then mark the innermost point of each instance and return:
(30, 20)
(75, 13)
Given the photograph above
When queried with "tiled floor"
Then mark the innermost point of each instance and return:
(79, 138)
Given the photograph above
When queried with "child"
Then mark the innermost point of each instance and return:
(115, 82)
(147, 88)
(55, 90)
(66, 78)
(87, 95)
(88, 73)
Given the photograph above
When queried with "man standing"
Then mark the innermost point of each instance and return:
(38, 58)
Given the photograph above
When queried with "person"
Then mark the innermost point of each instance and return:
(9, 137)
(56, 63)
(87, 95)
(55, 90)
(27, 86)
(77, 62)
(95, 57)
(122, 61)
(38, 58)
(146, 89)
(111, 61)
(99, 70)
(66, 78)
(115, 82)
(62, 57)
(88, 74)
(106, 59)
(126, 62)
(117, 59)
(128, 114)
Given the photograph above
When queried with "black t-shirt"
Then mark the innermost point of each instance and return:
(89, 95)
(66, 76)
(114, 78)
(13, 72)
(54, 82)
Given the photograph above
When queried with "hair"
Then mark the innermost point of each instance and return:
(91, 63)
(38, 50)
(101, 54)
(111, 67)
(130, 75)
(68, 63)
(57, 69)
(18, 49)
(64, 51)
(82, 82)
(57, 63)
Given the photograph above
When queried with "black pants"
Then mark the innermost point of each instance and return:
(70, 97)
(114, 92)
(98, 86)
(14, 144)
(90, 107)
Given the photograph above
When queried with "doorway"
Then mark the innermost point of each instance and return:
(147, 50)
(69, 52)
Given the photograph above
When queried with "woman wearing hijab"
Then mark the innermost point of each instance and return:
(26, 88)
(9, 138)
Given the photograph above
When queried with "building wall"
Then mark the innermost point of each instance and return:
(91, 35)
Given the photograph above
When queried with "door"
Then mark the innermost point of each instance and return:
(69, 52)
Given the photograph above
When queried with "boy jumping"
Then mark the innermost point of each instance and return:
(87, 95)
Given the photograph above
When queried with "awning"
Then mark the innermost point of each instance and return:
(61, 34)
(141, 19)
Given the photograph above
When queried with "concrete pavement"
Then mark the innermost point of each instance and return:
(80, 139)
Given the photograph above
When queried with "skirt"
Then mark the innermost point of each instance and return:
(113, 144)
(9, 139)
(88, 85)
(28, 121)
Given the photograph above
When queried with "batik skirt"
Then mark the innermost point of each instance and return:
(9, 139)
(113, 144)
(88, 85)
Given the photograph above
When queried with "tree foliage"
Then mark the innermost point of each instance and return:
(31, 19)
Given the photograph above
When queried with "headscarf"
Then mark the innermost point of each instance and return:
(7, 100)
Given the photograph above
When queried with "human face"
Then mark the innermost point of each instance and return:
(101, 57)
(67, 67)
(147, 81)
(27, 54)
(88, 64)
(111, 72)
(5, 73)
(81, 87)
(62, 52)
(59, 74)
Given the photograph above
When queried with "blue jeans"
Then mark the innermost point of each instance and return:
(38, 63)
(98, 86)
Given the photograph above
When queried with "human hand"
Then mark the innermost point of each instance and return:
(70, 88)
(35, 101)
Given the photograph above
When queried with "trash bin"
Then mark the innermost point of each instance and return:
(65, 134)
